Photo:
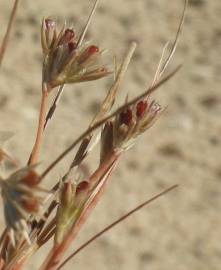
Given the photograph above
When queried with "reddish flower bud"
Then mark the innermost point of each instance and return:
(91, 50)
(69, 34)
(141, 108)
(126, 117)
(31, 205)
(67, 37)
(82, 186)
(72, 46)
(31, 179)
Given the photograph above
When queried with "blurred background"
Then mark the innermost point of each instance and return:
(183, 229)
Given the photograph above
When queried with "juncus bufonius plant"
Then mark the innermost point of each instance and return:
(28, 207)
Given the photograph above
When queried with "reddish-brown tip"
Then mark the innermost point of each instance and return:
(82, 186)
(141, 108)
(126, 117)
(31, 179)
(72, 46)
(92, 49)
(67, 37)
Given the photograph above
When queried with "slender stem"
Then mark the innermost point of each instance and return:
(17, 265)
(1, 263)
(4, 155)
(109, 100)
(4, 44)
(50, 227)
(113, 224)
(38, 141)
(4, 244)
(87, 24)
(174, 45)
(46, 215)
(18, 262)
(4, 233)
(48, 236)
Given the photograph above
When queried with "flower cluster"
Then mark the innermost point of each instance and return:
(67, 61)
(133, 121)
(21, 197)
(121, 132)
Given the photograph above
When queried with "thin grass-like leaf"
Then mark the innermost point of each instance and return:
(5, 41)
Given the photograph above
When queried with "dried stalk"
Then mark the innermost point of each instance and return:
(8, 31)
(81, 38)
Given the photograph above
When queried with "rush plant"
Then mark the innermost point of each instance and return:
(34, 215)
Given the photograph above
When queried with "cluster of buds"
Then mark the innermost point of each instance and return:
(67, 61)
(121, 132)
(21, 197)
(71, 202)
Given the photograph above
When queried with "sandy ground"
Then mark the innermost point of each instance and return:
(182, 230)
